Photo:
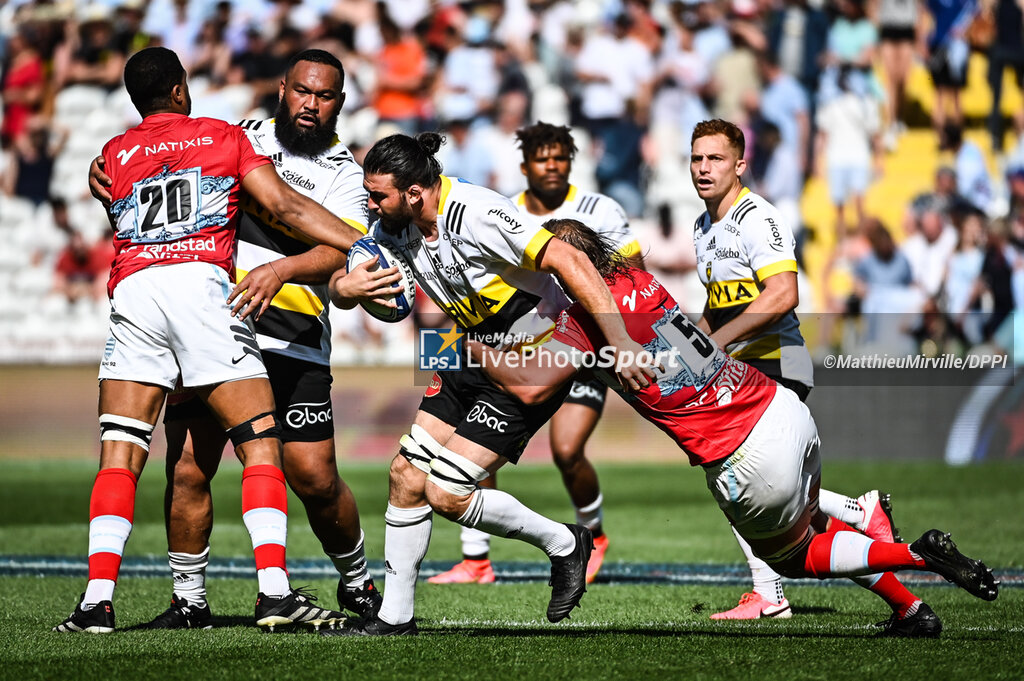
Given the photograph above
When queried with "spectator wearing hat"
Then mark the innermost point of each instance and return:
(90, 56)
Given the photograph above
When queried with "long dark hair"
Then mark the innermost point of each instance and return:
(408, 160)
(599, 249)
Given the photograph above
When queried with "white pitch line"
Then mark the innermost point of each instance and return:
(667, 625)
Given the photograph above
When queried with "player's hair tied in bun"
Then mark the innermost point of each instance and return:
(430, 142)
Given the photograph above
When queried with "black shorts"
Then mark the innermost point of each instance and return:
(944, 75)
(302, 393)
(483, 413)
(589, 392)
(897, 34)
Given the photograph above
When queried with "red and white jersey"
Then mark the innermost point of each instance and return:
(706, 401)
(176, 186)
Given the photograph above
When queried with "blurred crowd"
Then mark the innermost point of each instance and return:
(819, 87)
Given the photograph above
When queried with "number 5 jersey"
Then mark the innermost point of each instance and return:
(704, 399)
(176, 186)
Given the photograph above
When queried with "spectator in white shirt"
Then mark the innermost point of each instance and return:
(848, 148)
(929, 250)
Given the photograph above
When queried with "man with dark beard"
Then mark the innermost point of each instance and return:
(282, 286)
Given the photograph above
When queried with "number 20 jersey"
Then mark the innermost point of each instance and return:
(705, 400)
(175, 190)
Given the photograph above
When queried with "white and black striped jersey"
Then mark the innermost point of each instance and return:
(734, 257)
(599, 212)
(296, 323)
(481, 269)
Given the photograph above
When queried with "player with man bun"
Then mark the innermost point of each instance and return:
(548, 152)
(490, 271)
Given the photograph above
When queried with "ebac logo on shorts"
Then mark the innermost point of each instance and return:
(440, 349)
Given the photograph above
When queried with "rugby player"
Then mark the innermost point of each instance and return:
(745, 259)
(548, 152)
(293, 330)
(490, 271)
(757, 442)
(175, 187)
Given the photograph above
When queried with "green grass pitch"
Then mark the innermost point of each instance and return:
(655, 514)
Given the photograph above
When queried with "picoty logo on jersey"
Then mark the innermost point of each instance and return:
(440, 349)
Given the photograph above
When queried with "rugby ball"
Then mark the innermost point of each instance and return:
(365, 249)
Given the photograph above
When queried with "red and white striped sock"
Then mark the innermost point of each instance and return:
(890, 590)
(265, 514)
(844, 552)
(111, 511)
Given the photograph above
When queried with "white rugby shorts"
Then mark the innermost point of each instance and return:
(764, 486)
(174, 320)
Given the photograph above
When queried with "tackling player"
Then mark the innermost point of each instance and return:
(548, 152)
(490, 271)
(175, 187)
(757, 443)
(745, 259)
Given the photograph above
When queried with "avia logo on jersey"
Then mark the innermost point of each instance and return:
(776, 241)
(727, 253)
(649, 291)
(711, 245)
(297, 180)
(308, 414)
(183, 248)
(179, 146)
(488, 415)
(514, 226)
(729, 293)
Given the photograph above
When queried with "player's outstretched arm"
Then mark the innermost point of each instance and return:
(532, 377)
(262, 283)
(585, 285)
(779, 298)
(298, 211)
